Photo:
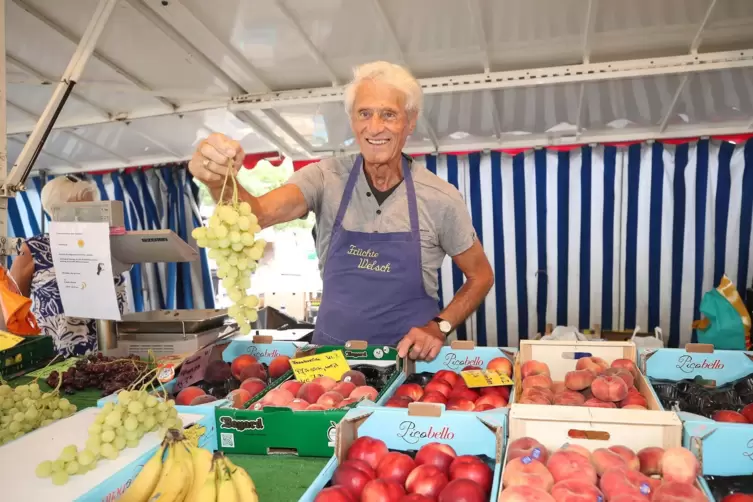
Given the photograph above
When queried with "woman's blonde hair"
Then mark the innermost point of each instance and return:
(65, 189)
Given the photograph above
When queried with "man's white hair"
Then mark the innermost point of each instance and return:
(391, 74)
(62, 189)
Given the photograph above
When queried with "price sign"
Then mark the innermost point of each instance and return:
(7, 340)
(485, 378)
(59, 367)
(331, 364)
(193, 368)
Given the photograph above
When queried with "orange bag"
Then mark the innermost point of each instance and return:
(16, 308)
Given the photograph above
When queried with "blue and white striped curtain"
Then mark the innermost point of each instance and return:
(616, 236)
(155, 198)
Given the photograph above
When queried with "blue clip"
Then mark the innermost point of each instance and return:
(645, 489)
(526, 460)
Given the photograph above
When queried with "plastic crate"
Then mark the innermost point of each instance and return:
(32, 353)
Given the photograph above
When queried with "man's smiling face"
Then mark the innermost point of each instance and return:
(379, 121)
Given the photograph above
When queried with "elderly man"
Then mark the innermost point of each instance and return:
(384, 223)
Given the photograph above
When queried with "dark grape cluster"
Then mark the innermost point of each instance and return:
(97, 371)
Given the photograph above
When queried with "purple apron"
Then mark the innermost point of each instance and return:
(373, 283)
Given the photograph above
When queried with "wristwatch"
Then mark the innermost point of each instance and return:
(444, 326)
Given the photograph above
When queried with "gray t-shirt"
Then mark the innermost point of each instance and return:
(443, 219)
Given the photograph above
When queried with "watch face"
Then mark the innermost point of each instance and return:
(445, 327)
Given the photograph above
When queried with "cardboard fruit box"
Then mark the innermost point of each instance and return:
(281, 430)
(407, 430)
(593, 428)
(726, 448)
(562, 357)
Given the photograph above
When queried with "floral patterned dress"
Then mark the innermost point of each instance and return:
(72, 336)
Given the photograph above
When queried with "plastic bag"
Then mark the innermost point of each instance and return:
(16, 308)
(648, 342)
(565, 333)
(727, 323)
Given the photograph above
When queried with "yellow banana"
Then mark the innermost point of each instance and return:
(183, 454)
(243, 483)
(174, 481)
(208, 490)
(143, 485)
(202, 469)
(226, 491)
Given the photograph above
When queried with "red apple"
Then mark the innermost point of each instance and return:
(438, 386)
(500, 364)
(240, 362)
(412, 390)
(729, 416)
(473, 468)
(368, 449)
(434, 397)
(353, 477)
(335, 494)
(747, 412)
(380, 490)
(462, 490)
(426, 480)
(436, 454)
(395, 466)
(448, 376)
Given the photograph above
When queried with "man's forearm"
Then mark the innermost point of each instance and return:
(467, 300)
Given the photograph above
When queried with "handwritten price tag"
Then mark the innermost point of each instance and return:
(485, 378)
(331, 364)
(7, 340)
(193, 369)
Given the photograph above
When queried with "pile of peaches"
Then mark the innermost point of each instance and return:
(449, 388)
(238, 381)
(372, 473)
(614, 474)
(593, 383)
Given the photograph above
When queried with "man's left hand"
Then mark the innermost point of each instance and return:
(422, 342)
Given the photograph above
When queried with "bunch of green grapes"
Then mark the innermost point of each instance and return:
(231, 243)
(26, 408)
(119, 425)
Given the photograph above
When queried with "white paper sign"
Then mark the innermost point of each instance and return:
(83, 268)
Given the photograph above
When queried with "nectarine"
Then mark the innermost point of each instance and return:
(473, 468)
(335, 494)
(279, 366)
(368, 449)
(352, 477)
(462, 490)
(188, 394)
(395, 466)
(412, 390)
(355, 377)
(239, 363)
(500, 364)
(437, 454)
(253, 370)
(426, 479)
(380, 490)
(364, 392)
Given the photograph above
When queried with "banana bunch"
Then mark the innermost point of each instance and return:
(180, 471)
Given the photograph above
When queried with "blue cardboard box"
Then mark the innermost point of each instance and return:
(726, 449)
(410, 429)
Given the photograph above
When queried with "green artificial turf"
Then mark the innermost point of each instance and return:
(277, 478)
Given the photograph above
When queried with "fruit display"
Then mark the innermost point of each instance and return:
(732, 402)
(448, 388)
(731, 488)
(180, 471)
(325, 393)
(97, 371)
(26, 408)
(119, 425)
(373, 473)
(614, 474)
(230, 239)
(593, 383)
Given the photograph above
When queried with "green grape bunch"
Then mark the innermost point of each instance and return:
(119, 425)
(230, 239)
(26, 408)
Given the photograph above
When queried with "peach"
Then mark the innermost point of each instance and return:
(460, 404)
(635, 400)
(279, 366)
(598, 403)
(364, 392)
(729, 416)
(629, 497)
(346, 402)
(525, 494)
(570, 465)
(530, 368)
(448, 376)
(542, 381)
(188, 394)
(558, 387)
(628, 456)
(199, 400)
(593, 364)
(492, 400)
(438, 386)
(747, 412)
(344, 388)
(575, 490)
(609, 388)
(650, 460)
(539, 391)
(680, 465)
(239, 397)
(239, 363)
(433, 397)
(316, 407)
(278, 397)
(412, 390)
(569, 398)
(292, 385)
(580, 450)
(529, 472)
(626, 364)
(534, 400)
(671, 491)
(624, 374)
(605, 460)
(634, 407)
(355, 377)
(618, 481)
(298, 404)
(310, 392)
(501, 365)
(326, 382)
(254, 370)
(587, 393)
(578, 379)
(527, 447)
(329, 399)
(253, 385)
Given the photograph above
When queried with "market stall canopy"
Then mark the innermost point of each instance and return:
(496, 73)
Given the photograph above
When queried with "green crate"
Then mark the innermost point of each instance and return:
(32, 353)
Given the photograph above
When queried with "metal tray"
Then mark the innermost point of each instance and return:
(172, 321)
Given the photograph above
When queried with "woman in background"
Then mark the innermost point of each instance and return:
(34, 273)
